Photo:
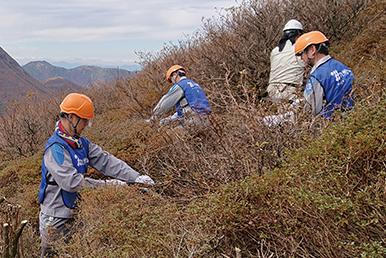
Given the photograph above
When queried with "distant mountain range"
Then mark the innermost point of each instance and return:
(67, 65)
(81, 76)
(41, 77)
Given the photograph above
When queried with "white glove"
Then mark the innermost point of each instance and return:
(144, 180)
(151, 119)
(164, 121)
(296, 101)
(115, 182)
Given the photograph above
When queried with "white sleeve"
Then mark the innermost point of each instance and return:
(110, 165)
(168, 101)
(313, 94)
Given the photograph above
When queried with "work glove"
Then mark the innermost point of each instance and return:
(150, 120)
(115, 182)
(144, 180)
(164, 121)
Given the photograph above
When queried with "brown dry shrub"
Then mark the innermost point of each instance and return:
(27, 125)
(123, 222)
(229, 58)
(328, 200)
(235, 46)
(364, 53)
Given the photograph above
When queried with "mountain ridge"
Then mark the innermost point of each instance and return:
(83, 75)
(60, 83)
(132, 68)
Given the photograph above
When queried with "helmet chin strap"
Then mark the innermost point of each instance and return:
(74, 126)
(309, 59)
(309, 62)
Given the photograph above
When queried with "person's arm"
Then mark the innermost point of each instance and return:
(168, 101)
(313, 94)
(109, 165)
(61, 170)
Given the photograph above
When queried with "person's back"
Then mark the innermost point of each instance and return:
(285, 66)
(287, 70)
(335, 79)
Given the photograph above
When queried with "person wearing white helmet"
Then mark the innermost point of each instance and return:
(287, 70)
(286, 75)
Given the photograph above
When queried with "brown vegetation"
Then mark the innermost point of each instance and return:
(238, 188)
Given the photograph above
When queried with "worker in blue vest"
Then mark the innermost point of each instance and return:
(66, 158)
(187, 96)
(328, 87)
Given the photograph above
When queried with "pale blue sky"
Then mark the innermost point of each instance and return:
(103, 32)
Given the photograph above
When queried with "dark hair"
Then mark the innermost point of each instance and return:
(321, 47)
(289, 35)
(63, 114)
(181, 73)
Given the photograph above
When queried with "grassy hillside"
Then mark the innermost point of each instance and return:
(238, 188)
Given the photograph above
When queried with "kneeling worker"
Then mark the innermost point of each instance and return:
(329, 86)
(188, 97)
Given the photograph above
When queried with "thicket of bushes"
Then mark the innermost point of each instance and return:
(237, 188)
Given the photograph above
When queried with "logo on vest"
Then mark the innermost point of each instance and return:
(340, 75)
(81, 162)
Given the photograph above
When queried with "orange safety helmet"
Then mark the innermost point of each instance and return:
(172, 70)
(78, 104)
(307, 39)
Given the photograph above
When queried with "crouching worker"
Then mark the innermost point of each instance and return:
(287, 70)
(329, 86)
(187, 96)
(66, 158)
(286, 76)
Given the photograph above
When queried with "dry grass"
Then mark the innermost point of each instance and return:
(232, 189)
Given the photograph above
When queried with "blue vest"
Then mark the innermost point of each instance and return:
(79, 160)
(335, 79)
(195, 96)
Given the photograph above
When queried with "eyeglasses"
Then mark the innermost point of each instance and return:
(299, 53)
(87, 121)
(171, 77)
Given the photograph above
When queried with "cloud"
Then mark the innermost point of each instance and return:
(83, 20)
(25, 22)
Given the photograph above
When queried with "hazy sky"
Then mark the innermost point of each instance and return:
(104, 32)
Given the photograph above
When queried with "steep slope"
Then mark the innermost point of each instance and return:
(15, 82)
(82, 75)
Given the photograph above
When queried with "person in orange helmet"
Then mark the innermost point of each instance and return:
(188, 98)
(66, 158)
(328, 87)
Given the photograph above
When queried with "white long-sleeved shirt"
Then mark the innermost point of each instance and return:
(285, 66)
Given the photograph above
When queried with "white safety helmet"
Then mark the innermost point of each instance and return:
(293, 25)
